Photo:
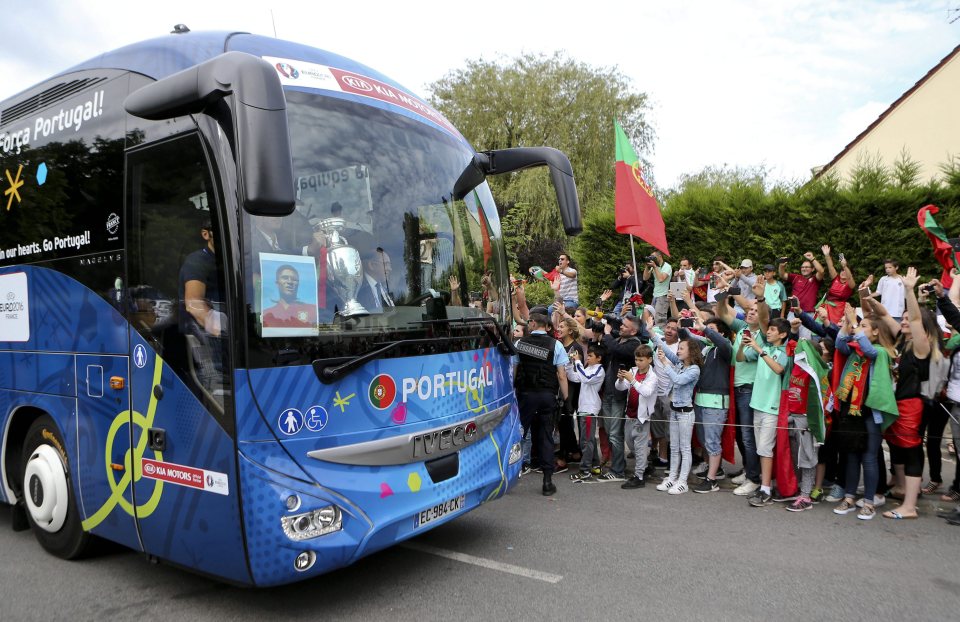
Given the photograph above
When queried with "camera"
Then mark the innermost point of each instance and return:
(686, 322)
(650, 259)
(926, 289)
(793, 302)
(783, 260)
(733, 291)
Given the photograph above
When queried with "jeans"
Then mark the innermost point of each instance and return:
(710, 428)
(868, 459)
(638, 435)
(681, 433)
(589, 454)
(751, 462)
(661, 306)
(612, 410)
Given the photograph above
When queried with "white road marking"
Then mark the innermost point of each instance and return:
(484, 563)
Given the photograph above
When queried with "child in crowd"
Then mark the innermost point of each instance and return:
(590, 379)
(641, 402)
(684, 373)
(765, 401)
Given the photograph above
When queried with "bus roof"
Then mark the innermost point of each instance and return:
(163, 56)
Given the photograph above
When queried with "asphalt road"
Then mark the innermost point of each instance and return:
(604, 554)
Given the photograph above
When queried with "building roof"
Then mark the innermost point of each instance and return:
(946, 59)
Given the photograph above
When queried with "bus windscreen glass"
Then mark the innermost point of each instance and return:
(375, 234)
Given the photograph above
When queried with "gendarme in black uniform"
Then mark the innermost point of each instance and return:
(537, 385)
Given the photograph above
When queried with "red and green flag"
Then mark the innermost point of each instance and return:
(636, 208)
(942, 249)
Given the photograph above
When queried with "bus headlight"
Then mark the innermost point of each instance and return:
(516, 452)
(312, 524)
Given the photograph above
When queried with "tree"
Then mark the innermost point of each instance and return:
(538, 100)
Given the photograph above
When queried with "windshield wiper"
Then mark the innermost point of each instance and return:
(331, 370)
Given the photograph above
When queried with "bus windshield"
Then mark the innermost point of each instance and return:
(375, 235)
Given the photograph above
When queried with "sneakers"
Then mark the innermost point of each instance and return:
(666, 484)
(707, 485)
(878, 501)
(595, 470)
(633, 482)
(582, 476)
(746, 489)
(525, 470)
(560, 469)
(701, 469)
(760, 499)
(800, 505)
(866, 513)
(678, 489)
(719, 476)
(779, 498)
(660, 463)
(837, 493)
(610, 476)
(816, 495)
(739, 480)
(845, 507)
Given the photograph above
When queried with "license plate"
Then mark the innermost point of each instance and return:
(439, 511)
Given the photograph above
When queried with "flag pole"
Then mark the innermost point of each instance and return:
(636, 277)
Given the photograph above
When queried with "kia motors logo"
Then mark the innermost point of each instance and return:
(357, 83)
(149, 468)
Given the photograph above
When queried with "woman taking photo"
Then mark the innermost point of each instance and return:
(684, 372)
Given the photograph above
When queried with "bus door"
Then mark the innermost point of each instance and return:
(103, 415)
(187, 490)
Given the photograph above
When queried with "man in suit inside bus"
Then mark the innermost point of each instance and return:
(374, 293)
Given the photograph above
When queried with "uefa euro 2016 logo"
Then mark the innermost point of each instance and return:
(288, 70)
(382, 391)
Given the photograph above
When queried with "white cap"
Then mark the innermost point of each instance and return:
(746, 263)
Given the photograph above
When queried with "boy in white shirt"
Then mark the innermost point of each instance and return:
(591, 380)
(642, 382)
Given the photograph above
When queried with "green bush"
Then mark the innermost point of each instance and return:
(736, 214)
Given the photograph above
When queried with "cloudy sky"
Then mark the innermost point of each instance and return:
(778, 83)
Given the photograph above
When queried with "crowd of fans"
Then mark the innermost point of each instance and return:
(777, 366)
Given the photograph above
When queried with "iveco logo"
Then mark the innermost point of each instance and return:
(440, 441)
(357, 83)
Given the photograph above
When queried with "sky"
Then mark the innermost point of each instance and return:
(778, 84)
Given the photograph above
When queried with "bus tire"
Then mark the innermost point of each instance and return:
(48, 494)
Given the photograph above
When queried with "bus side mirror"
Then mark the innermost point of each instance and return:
(257, 126)
(509, 160)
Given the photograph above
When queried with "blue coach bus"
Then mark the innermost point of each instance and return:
(239, 329)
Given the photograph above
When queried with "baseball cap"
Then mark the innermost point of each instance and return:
(769, 267)
(746, 263)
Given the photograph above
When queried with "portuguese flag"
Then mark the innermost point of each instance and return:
(637, 212)
(942, 248)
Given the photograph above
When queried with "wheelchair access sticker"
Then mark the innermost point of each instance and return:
(199, 479)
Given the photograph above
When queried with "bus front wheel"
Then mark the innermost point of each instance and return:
(47, 493)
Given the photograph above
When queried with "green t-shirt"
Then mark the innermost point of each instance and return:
(767, 385)
(744, 372)
(774, 295)
(660, 288)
